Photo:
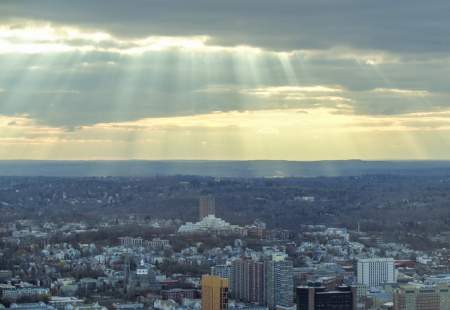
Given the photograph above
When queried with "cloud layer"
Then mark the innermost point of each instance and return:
(80, 71)
(400, 26)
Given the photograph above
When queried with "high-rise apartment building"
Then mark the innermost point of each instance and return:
(248, 281)
(319, 298)
(279, 282)
(207, 206)
(375, 271)
(214, 293)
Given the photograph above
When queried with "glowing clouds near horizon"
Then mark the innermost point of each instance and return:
(269, 134)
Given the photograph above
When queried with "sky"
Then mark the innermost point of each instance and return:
(231, 80)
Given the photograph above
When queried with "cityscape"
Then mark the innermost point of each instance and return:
(101, 253)
(224, 155)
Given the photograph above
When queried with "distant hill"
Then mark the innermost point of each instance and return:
(258, 168)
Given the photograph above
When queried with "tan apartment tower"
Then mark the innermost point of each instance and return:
(207, 206)
(214, 293)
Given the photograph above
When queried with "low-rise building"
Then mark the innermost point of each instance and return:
(422, 297)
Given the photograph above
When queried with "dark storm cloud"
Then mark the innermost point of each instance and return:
(401, 26)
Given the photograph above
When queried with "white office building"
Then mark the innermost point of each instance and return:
(375, 271)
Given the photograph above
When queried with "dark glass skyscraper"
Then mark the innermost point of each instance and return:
(318, 298)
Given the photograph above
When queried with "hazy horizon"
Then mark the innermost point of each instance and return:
(215, 168)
